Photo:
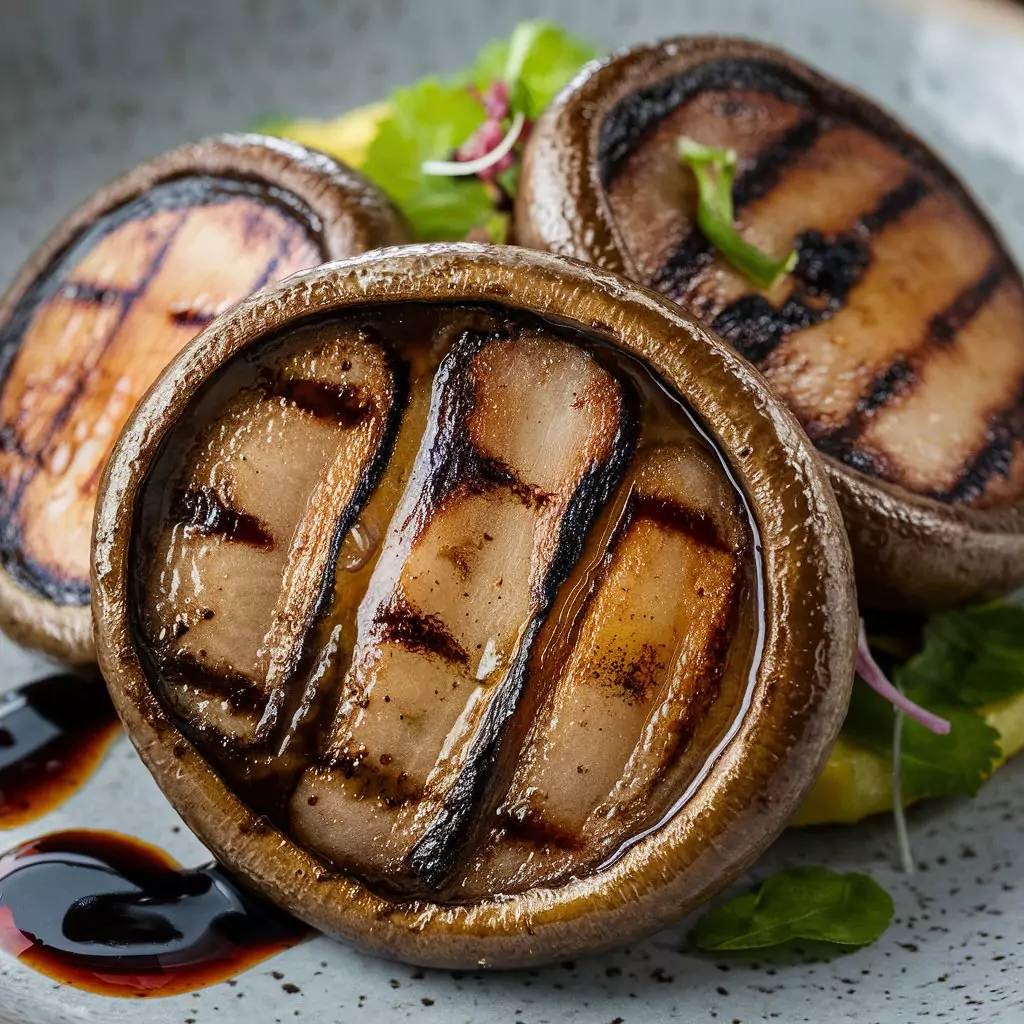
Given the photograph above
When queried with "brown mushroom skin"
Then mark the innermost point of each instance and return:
(751, 787)
(277, 205)
(917, 542)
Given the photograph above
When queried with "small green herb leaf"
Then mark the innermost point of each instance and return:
(715, 170)
(951, 765)
(811, 903)
(975, 655)
(428, 122)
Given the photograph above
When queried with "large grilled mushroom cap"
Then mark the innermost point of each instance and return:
(899, 339)
(122, 284)
(473, 604)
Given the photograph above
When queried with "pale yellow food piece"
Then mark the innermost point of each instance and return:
(347, 138)
(856, 782)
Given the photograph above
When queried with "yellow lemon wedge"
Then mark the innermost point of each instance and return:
(347, 138)
(855, 782)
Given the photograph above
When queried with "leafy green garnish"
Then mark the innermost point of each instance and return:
(975, 655)
(536, 61)
(429, 121)
(715, 170)
(966, 658)
(811, 903)
(930, 765)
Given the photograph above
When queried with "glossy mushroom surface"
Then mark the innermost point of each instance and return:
(109, 300)
(472, 604)
(898, 340)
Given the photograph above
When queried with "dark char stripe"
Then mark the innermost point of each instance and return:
(637, 115)
(995, 458)
(426, 634)
(827, 270)
(96, 294)
(902, 375)
(239, 691)
(434, 856)
(344, 404)
(945, 326)
(203, 511)
(672, 516)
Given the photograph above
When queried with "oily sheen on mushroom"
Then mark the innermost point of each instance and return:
(121, 286)
(898, 340)
(473, 604)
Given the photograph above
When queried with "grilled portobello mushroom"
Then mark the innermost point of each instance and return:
(472, 604)
(898, 340)
(122, 284)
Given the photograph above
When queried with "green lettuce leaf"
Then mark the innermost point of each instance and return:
(432, 119)
(959, 661)
(975, 655)
(810, 903)
(952, 765)
(428, 122)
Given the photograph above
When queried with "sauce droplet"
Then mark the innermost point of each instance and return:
(358, 546)
(53, 734)
(115, 916)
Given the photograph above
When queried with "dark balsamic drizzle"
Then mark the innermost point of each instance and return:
(110, 914)
(53, 733)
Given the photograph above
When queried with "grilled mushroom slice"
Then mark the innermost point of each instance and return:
(473, 604)
(898, 340)
(102, 307)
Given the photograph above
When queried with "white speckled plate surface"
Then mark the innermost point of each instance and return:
(88, 89)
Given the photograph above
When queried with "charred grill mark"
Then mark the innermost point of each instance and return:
(492, 473)
(95, 294)
(894, 205)
(945, 326)
(13, 558)
(284, 244)
(827, 270)
(695, 252)
(191, 317)
(237, 690)
(305, 656)
(526, 824)
(181, 194)
(203, 511)
(667, 514)
(637, 115)
(900, 377)
(374, 780)
(345, 404)
(433, 857)
(995, 458)
(768, 166)
(425, 634)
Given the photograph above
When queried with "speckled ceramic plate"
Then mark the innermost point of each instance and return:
(89, 89)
